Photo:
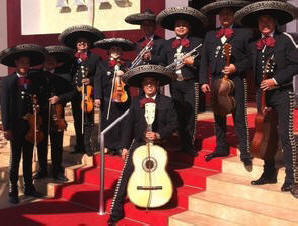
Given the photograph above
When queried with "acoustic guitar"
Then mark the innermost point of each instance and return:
(149, 185)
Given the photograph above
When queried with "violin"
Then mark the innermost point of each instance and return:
(222, 96)
(34, 135)
(86, 90)
(57, 116)
(119, 94)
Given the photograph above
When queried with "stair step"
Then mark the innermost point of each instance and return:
(240, 210)
(239, 186)
(191, 218)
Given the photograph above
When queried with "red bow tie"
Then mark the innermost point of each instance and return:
(83, 56)
(146, 100)
(266, 41)
(22, 81)
(180, 42)
(145, 42)
(227, 32)
(113, 63)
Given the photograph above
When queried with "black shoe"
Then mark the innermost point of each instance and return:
(215, 155)
(113, 220)
(247, 164)
(60, 177)
(13, 198)
(32, 192)
(39, 175)
(264, 180)
(287, 187)
(294, 191)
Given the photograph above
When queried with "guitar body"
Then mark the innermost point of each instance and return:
(265, 141)
(149, 183)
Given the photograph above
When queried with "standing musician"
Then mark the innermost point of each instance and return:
(16, 102)
(271, 43)
(213, 58)
(148, 26)
(110, 92)
(149, 77)
(54, 93)
(184, 90)
(81, 38)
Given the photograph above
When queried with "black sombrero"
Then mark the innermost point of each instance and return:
(215, 7)
(70, 36)
(167, 17)
(124, 44)
(135, 76)
(139, 18)
(282, 11)
(61, 53)
(36, 53)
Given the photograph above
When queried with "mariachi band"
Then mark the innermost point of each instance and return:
(33, 101)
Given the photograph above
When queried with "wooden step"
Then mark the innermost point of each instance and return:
(240, 210)
(191, 218)
(240, 187)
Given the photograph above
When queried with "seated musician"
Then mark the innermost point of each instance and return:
(149, 77)
(58, 91)
(113, 104)
(213, 58)
(16, 102)
(280, 47)
(184, 91)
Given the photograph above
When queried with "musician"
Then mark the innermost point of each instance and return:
(185, 89)
(149, 77)
(57, 91)
(81, 38)
(270, 42)
(213, 57)
(112, 105)
(148, 27)
(16, 102)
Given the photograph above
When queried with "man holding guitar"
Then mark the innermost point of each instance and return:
(213, 58)
(279, 95)
(149, 77)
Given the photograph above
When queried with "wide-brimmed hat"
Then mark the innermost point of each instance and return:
(36, 54)
(70, 36)
(167, 17)
(215, 7)
(61, 53)
(282, 11)
(139, 18)
(135, 76)
(108, 43)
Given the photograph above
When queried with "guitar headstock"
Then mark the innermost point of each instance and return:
(270, 65)
(150, 112)
(227, 51)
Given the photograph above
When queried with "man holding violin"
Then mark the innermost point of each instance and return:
(54, 92)
(17, 94)
(85, 67)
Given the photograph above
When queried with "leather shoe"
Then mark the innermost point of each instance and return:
(287, 187)
(60, 177)
(32, 192)
(264, 180)
(13, 198)
(39, 175)
(215, 155)
(247, 164)
(113, 220)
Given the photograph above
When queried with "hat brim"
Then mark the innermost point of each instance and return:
(135, 76)
(215, 7)
(139, 18)
(35, 53)
(283, 12)
(61, 53)
(168, 17)
(124, 44)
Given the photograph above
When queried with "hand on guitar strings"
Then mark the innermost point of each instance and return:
(205, 88)
(54, 99)
(229, 69)
(86, 81)
(124, 153)
(152, 136)
(267, 84)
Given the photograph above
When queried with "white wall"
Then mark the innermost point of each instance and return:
(3, 33)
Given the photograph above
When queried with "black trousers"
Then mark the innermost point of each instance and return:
(283, 102)
(83, 141)
(185, 102)
(240, 122)
(19, 146)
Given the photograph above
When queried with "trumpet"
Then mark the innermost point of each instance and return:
(178, 62)
(139, 58)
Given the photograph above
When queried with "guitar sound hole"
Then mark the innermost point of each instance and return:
(149, 164)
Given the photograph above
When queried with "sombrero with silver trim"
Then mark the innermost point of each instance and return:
(70, 35)
(167, 17)
(36, 54)
(135, 76)
(124, 44)
(139, 18)
(215, 7)
(61, 53)
(282, 11)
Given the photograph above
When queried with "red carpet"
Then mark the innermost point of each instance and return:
(77, 203)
